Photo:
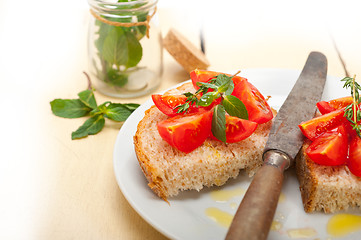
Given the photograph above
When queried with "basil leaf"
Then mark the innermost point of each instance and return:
(235, 107)
(69, 108)
(135, 50)
(207, 99)
(122, 48)
(115, 49)
(225, 84)
(208, 85)
(117, 112)
(229, 89)
(221, 80)
(219, 123)
(87, 97)
(103, 32)
(131, 106)
(91, 126)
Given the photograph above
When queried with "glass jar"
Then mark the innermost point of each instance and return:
(124, 47)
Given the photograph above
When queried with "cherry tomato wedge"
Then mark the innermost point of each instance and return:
(237, 129)
(167, 104)
(319, 125)
(335, 104)
(204, 76)
(186, 132)
(354, 163)
(324, 107)
(330, 149)
(258, 109)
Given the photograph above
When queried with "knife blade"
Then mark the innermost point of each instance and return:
(254, 216)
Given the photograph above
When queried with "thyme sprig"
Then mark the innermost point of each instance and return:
(352, 111)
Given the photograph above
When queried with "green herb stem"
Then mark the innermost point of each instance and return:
(352, 111)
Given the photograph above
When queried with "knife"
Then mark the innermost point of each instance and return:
(255, 214)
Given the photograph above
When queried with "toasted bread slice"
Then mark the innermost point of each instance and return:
(170, 171)
(326, 188)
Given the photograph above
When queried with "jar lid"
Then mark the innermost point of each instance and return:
(184, 52)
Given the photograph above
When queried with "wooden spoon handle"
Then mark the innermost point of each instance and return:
(255, 214)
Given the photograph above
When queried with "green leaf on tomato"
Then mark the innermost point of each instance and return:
(205, 84)
(224, 84)
(207, 99)
(235, 107)
(219, 123)
(222, 79)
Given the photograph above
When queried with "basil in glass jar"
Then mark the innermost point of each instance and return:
(125, 47)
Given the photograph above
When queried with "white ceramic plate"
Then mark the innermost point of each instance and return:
(185, 217)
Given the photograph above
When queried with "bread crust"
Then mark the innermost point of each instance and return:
(154, 182)
(326, 188)
(170, 171)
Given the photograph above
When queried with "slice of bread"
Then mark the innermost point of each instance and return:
(170, 171)
(326, 188)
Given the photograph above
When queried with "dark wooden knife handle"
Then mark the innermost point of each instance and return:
(255, 214)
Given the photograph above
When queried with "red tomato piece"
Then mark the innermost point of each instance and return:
(354, 163)
(351, 132)
(258, 109)
(319, 125)
(204, 76)
(330, 149)
(335, 104)
(237, 129)
(324, 107)
(167, 104)
(186, 132)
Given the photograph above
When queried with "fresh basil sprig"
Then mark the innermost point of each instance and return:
(219, 123)
(118, 47)
(86, 105)
(222, 86)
